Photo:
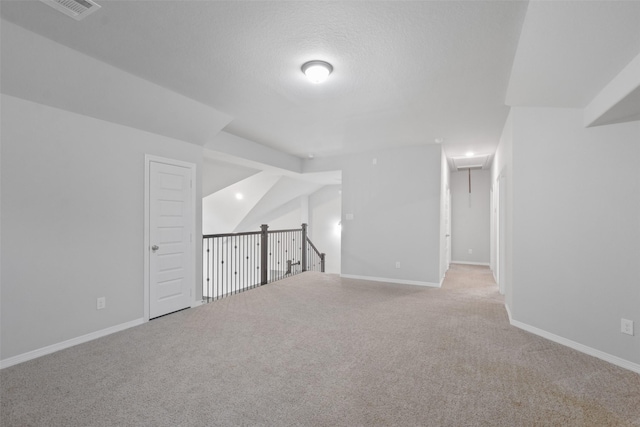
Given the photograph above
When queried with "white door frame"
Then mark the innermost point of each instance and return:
(492, 231)
(148, 159)
(496, 231)
(501, 227)
(448, 230)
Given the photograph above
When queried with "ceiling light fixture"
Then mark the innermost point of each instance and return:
(469, 154)
(317, 71)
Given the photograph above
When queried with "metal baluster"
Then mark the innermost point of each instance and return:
(225, 280)
(264, 252)
(233, 265)
(236, 262)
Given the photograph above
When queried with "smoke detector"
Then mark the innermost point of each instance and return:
(77, 9)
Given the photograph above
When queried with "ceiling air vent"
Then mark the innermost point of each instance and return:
(77, 9)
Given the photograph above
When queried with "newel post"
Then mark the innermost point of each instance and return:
(264, 254)
(304, 247)
(322, 263)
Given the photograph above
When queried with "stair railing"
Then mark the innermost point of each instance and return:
(236, 262)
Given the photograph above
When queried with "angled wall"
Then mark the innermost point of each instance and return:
(217, 175)
(222, 212)
(45, 72)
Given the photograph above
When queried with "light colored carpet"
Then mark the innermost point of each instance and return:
(318, 350)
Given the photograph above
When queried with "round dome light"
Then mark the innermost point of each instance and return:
(317, 71)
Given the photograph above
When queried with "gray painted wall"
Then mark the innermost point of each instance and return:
(501, 171)
(396, 206)
(288, 216)
(325, 208)
(217, 175)
(576, 204)
(470, 217)
(72, 222)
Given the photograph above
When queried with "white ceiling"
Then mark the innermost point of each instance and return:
(569, 51)
(405, 73)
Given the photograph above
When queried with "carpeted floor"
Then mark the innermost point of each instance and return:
(318, 350)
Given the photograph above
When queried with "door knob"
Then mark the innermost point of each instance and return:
(155, 248)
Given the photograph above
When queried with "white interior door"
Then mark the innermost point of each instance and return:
(171, 217)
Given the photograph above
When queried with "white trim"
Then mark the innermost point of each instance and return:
(147, 161)
(197, 303)
(623, 363)
(68, 343)
(386, 280)
(148, 158)
(484, 264)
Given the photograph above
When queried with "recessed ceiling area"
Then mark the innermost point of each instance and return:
(570, 50)
(482, 161)
(625, 110)
(404, 73)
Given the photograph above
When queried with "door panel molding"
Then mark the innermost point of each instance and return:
(148, 159)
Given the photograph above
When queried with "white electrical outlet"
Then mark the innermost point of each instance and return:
(470, 251)
(626, 326)
(397, 264)
(349, 217)
(101, 303)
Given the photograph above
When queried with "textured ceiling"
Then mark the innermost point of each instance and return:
(569, 51)
(405, 73)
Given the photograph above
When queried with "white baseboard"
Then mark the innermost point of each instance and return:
(196, 303)
(623, 363)
(68, 343)
(484, 264)
(387, 280)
